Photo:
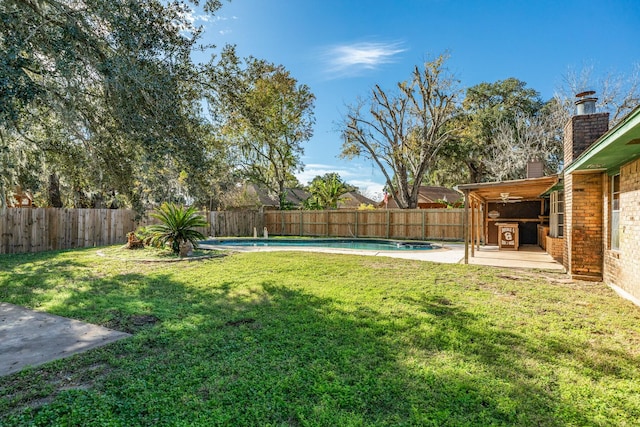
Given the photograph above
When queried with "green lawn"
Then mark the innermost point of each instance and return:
(300, 339)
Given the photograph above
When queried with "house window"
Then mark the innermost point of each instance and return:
(615, 212)
(556, 214)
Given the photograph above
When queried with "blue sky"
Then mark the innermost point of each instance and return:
(341, 48)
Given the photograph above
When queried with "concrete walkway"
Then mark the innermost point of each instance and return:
(529, 256)
(31, 338)
(450, 254)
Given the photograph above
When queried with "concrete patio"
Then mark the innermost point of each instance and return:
(528, 256)
(31, 338)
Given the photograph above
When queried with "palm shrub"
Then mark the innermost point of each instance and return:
(326, 191)
(177, 226)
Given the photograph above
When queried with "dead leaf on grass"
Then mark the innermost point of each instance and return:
(240, 322)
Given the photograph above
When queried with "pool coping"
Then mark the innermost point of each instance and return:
(529, 257)
(445, 253)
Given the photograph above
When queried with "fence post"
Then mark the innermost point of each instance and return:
(388, 222)
(355, 232)
(282, 222)
(327, 214)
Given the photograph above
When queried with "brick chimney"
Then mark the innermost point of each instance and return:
(535, 168)
(583, 194)
(584, 128)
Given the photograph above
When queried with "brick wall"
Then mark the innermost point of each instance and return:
(555, 248)
(586, 231)
(568, 223)
(584, 235)
(622, 267)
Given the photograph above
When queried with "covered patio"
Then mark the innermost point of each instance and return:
(503, 221)
(528, 256)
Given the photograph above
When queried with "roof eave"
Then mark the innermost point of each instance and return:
(605, 142)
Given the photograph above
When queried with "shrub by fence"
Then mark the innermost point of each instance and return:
(42, 229)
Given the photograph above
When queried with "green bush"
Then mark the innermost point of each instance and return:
(177, 226)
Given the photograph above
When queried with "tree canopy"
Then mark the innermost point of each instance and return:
(485, 108)
(102, 105)
(505, 124)
(326, 191)
(265, 115)
(92, 92)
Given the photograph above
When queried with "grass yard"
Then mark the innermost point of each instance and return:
(302, 339)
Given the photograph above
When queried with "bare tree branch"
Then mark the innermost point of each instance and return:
(403, 132)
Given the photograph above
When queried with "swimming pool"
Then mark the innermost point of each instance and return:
(359, 244)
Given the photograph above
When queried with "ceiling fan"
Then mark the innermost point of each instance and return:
(507, 198)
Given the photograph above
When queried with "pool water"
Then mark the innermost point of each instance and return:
(361, 244)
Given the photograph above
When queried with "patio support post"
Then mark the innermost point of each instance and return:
(472, 224)
(478, 224)
(465, 226)
(474, 229)
(485, 224)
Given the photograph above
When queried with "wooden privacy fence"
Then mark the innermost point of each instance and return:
(233, 223)
(40, 229)
(43, 229)
(423, 224)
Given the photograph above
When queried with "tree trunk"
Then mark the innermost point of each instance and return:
(476, 173)
(55, 200)
(186, 249)
(81, 200)
(282, 196)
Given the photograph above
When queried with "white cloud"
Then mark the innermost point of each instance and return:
(221, 19)
(194, 18)
(201, 18)
(368, 188)
(313, 170)
(350, 59)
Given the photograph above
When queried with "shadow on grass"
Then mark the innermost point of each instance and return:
(25, 278)
(223, 352)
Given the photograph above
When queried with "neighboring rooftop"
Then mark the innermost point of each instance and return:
(353, 200)
(430, 196)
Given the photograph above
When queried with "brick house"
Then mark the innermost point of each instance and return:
(592, 206)
(602, 200)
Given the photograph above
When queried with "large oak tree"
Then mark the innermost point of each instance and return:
(93, 92)
(402, 131)
(265, 116)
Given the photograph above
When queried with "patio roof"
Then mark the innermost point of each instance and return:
(515, 190)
